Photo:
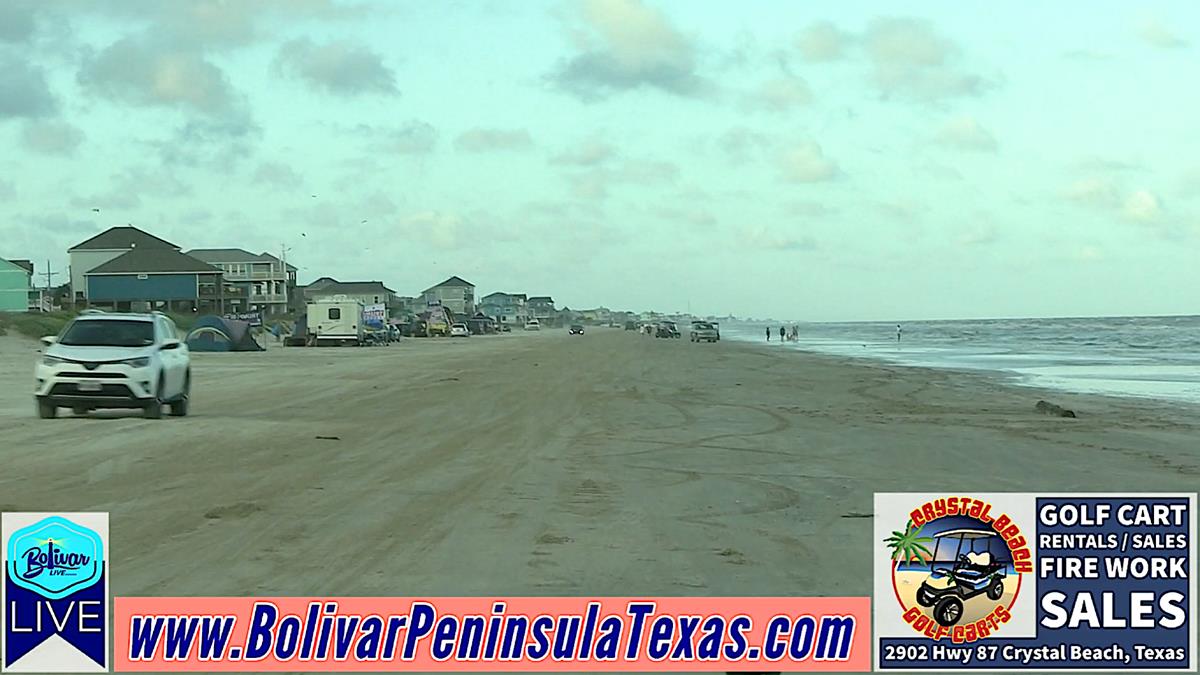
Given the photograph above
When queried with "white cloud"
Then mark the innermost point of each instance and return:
(911, 60)
(152, 72)
(493, 140)
(780, 95)
(412, 138)
(17, 22)
(740, 143)
(278, 175)
(822, 41)
(339, 67)
(1142, 206)
(760, 236)
(686, 215)
(1094, 191)
(23, 89)
(435, 228)
(1156, 33)
(625, 45)
(586, 153)
(1189, 184)
(966, 133)
(594, 183)
(978, 235)
(807, 163)
(51, 137)
(206, 24)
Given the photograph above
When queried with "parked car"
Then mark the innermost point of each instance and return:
(666, 329)
(103, 360)
(575, 329)
(631, 325)
(459, 330)
(533, 324)
(703, 331)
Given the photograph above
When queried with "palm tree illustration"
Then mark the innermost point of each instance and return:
(907, 546)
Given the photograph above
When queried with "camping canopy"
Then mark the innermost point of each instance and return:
(216, 334)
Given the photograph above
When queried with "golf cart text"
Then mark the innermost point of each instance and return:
(979, 510)
(957, 634)
(1128, 515)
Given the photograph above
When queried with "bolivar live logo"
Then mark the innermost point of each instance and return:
(956, 568)
(55, 593)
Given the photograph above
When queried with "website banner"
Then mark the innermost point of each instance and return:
(492, 634)
(1033, 582)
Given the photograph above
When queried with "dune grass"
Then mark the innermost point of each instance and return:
(39, 324)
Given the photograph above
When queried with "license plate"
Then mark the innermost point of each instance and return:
(89, 386)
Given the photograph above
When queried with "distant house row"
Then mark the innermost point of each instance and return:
(128, 269)
(125, 268)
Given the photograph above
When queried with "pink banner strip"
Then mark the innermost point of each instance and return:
(492, 634)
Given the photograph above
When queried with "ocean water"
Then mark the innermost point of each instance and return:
(1153, 357)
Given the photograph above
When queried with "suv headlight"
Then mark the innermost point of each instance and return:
(52, 360)
(141, 362)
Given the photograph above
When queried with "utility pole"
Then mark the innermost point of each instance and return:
(50, 273)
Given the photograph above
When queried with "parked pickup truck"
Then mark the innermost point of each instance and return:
(703, 331)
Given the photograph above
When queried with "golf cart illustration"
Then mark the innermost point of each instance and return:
(964, 564)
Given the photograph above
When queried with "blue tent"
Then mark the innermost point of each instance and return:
(216, 334)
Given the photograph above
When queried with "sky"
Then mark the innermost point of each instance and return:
(801, 160)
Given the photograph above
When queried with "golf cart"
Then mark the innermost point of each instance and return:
(963, 566)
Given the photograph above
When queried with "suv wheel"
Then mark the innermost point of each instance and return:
(179, 407)
(47, 411)
(153, 409)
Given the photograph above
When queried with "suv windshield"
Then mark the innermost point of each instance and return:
(109, 333)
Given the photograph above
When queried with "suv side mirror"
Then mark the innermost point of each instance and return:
(170, 344)
(49, 340)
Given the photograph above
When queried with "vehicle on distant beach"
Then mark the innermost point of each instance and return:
(703, 331)
(971, 574)
(533, 324)
(459, 330)
(667, 329)
(631, 325)
(575, 329)
(336, 320)
(103, 360)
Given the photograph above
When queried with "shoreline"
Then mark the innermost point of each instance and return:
(1010, 377)
(1081, 401)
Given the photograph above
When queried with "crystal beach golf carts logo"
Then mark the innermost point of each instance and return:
(55, 593)
(956, 568)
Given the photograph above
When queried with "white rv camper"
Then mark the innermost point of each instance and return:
(335, 320)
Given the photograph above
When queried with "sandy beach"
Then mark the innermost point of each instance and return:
(542, 464)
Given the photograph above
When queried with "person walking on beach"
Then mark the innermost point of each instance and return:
(898, 332)
(768, 333)
(781, 334)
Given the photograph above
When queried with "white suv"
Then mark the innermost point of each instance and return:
(103, 360)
